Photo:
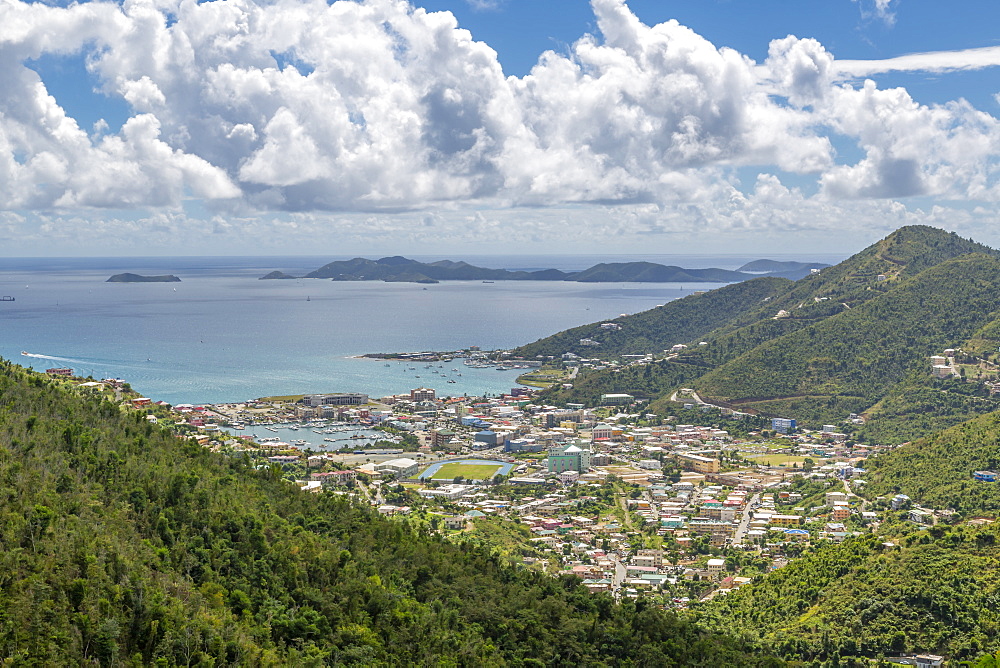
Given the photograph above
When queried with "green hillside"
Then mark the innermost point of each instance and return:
(937, 470)
(122, 545)
(680, 321)
(903, 254)
(922, 405)
(853, 338)
(854, 358)
(933, 591)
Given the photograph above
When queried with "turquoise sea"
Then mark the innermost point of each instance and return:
(222, 335)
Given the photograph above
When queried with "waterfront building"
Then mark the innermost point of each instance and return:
(422, 394)
(341, 399)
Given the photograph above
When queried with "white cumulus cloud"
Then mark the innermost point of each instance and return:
(380, 107)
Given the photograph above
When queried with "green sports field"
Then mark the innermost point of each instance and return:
(467, 471)
(776, 460)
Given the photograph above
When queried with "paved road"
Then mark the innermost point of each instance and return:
(744, 526)
(692, 396)
(364, 490)
(619, 576)
(850, 493)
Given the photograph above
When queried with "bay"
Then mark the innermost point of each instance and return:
(221, 335)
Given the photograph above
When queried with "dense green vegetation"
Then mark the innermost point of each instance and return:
(920, 405)
(123, 545)
(933, 591)
(645, 381)
(864, 351)
(937, 470)
(680, 321)
(853, 338)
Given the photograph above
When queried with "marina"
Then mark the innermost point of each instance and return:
(321, 435)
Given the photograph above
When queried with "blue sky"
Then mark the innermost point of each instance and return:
(519, 30)
(375, 127)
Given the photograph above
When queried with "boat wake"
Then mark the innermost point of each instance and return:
(95, 364)
(52, 357)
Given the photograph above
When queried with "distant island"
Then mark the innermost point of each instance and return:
(401, 269)
(136, 278)
(276, 275)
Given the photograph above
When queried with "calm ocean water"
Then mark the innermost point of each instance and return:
(222, 335)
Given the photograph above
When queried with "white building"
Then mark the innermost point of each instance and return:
(403, 467)
(450, 492)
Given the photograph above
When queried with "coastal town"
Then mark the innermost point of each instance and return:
(682, 507)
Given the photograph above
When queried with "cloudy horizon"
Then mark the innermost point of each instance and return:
(349, 127)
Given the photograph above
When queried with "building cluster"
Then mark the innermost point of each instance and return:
(678, 484)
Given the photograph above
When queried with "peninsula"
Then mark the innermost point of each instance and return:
(136, 278)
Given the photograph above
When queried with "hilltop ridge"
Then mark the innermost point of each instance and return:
(853, 338)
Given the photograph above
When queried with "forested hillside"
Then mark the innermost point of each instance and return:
(937, 470)
(853, 358)
(878, 595)
(122, 545)
(679, 321)
(853, 338)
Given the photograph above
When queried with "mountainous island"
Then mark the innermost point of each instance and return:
(136, 278)
(401, 269)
